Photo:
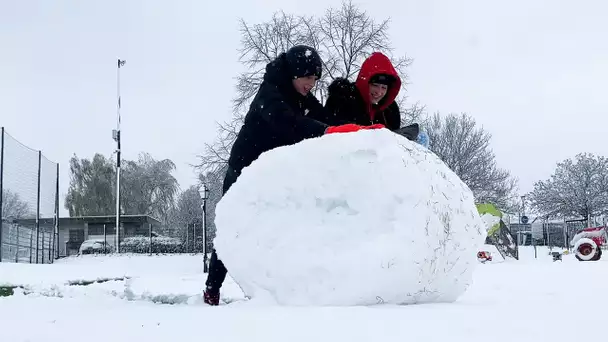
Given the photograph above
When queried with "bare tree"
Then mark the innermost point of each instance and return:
(186, 216)
(214, 181)
(578, 188)
(14, 207)
(466, 150)
(415, 113)
(343, 36)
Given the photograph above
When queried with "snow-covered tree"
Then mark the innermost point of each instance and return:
(147, 187)
(578, 188)
(92, 186)
(465, 148)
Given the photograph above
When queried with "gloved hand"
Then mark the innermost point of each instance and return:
(347, 128)
(423, 139)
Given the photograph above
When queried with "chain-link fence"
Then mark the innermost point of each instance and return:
(544, 232)
(29, 198)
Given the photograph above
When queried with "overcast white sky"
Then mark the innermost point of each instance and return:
(533, 73)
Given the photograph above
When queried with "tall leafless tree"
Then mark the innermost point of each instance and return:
(466, 150)
(14, 207)
(578, 188)
(344, 37)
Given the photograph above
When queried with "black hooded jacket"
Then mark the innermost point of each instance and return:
(277, 117)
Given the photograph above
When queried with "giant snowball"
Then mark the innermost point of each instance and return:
(350, 219)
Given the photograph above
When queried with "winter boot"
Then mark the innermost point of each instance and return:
(211, 296)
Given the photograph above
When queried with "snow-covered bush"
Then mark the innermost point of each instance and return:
(350, 219)
(160, 244)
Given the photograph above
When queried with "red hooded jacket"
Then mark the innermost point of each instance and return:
(349, 102)
(375, 64)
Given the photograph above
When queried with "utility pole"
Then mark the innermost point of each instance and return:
(116, 136)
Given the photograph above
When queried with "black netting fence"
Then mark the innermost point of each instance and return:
(29, 185)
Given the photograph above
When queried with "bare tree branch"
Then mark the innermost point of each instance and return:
(466, 150)
(14, 207)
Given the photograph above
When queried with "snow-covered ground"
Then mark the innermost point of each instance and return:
(527, 300)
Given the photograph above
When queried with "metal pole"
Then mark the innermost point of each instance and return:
(566, 242)
(31, 244)
(55, 242)
(17, 244)
(205, 267)
(50, 256)
(42, 248)
(1, 188)
(117, 138)
(187, 238)
(38, 207)
(549, 234)
(194, 236)
(150, 234)
(105, 239)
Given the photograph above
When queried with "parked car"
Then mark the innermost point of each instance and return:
(95, 246)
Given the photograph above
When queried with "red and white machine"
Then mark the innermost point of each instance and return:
(484, 256)
(587, 243)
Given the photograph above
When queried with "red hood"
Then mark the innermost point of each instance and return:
(377, 63)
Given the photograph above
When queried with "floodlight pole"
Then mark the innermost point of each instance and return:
(116, 136)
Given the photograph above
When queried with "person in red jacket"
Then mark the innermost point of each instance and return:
(369, 100)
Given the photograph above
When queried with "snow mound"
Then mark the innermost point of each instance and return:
(350, 219)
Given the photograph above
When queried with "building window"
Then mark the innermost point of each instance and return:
(76, 235)
(97, 229)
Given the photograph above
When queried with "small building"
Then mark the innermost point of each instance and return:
(73, 231)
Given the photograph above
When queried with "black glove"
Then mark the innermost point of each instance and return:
(410, 131)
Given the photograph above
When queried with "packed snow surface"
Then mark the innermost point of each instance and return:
(536, 292)
(304, 224)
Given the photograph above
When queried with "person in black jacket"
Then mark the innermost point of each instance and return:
(279, 115)
(369, 100)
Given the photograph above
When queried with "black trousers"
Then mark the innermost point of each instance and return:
(217, 270)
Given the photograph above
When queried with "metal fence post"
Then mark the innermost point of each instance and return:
(42, 248)
(1, 185)
(187, 239)
(31, 245)
(55, 231)
(105, 239)
(50, 256)
(38, 207)
(194, 236)
(17, 243)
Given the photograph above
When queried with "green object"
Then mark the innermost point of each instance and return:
(488, 208)
(499, 234)
(6, 291)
